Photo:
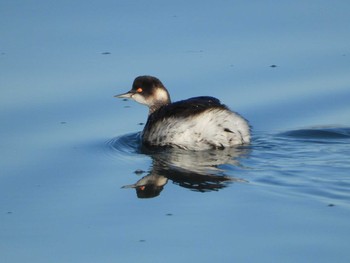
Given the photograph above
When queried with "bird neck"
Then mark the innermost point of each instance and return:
(157, 105)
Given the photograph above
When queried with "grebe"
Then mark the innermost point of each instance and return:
(198, 123)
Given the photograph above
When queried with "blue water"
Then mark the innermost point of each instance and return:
(72, 169)
(297, 162)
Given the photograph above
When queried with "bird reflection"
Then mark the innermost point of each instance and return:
(197, 171)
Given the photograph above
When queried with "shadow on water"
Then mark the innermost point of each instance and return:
(198, 171)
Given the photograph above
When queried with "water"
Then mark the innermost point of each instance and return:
(296, 162)
(72, 170)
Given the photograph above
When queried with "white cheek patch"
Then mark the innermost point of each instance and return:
(139, 98)
(161, 95)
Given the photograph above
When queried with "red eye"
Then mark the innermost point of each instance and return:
(139, 90)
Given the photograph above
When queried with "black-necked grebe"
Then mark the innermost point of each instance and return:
(199, 123)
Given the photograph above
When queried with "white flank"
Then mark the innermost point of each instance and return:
(212, 128)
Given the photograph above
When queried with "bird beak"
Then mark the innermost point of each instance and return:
(129, 186)
(125, 95)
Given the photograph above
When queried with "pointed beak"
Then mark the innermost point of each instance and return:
(125, 95)
(129, 186)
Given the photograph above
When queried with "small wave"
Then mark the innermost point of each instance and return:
(125, 144)
(319, 133)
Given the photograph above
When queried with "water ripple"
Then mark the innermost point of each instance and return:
(129, 144)
(319, 133)
(310, 162)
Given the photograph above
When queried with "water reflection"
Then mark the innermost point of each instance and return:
(197, 171)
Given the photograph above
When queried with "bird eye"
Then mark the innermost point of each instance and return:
(139, 90)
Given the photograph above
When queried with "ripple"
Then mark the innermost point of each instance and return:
(319, 133)
(309, 162)
(125, 145)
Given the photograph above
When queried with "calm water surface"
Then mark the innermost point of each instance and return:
(76, 185)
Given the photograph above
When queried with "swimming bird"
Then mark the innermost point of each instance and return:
(198, 123)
